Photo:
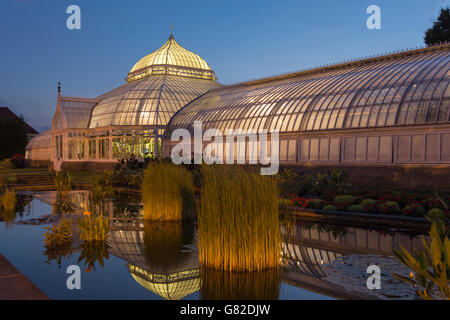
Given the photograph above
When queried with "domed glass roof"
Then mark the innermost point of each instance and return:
(172, 59)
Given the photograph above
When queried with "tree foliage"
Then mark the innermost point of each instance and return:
(440, 32)
(13, 137)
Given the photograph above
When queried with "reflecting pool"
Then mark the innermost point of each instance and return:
(143, 260)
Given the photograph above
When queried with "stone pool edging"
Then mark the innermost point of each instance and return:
(357, 217)
(14, 285)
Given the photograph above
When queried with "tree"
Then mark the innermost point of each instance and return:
(440, 32)
(13, 137)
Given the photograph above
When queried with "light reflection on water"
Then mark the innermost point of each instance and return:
(160, 260)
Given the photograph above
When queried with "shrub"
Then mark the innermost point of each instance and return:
(6, 164)
(238, 222)
(414, 209)
(329, 207)
(167, 192)
(315, 203)
(343, 201)
(18, 160)
(389, 207)
(8, 199)
(369, 205)
(300, 202)
(431, 202)
(94, 228)
(357, 208)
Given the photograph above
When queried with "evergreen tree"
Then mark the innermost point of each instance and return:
(440, 32)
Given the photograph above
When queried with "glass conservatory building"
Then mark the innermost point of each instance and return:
(388, 110)
(130, 119)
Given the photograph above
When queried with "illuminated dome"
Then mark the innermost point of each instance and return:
(158, 86)
(172, 59)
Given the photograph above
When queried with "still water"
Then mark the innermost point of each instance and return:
(160, 261)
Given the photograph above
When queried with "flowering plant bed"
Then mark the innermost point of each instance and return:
(330, 192)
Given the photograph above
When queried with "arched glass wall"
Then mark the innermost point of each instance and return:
(403, 90)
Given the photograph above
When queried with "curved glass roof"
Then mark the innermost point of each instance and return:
(41, 141)
(400, 89)
(151, 101)
(77, 111)
(173, 59)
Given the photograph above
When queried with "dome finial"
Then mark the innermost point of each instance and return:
(171, 31)
(59, 87)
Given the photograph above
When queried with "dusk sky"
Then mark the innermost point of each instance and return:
(240, 40)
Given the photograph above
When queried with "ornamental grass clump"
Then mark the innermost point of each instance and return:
(238, 220)
(94, 228)
(59, 236)
(167, 192)
(8, 199)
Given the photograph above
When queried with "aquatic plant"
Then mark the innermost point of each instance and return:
(238, 220)
(93, 252)
(167, 192)
(63, 182)
(94, 228)
(58, 240)
(431, 266)
(102, 187)
(221, 285)
(64, 204)
(8, 199)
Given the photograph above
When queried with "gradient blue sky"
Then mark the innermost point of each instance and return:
(240, 39)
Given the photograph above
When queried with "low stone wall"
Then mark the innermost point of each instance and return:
(388, 176)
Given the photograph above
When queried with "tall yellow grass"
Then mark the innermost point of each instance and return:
(238, 220)
(8, 199)
(167, 192)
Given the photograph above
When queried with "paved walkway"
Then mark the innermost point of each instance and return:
(15, 286)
